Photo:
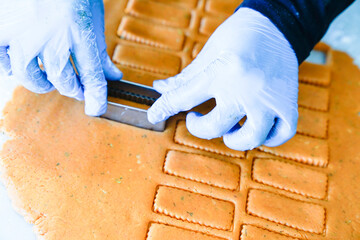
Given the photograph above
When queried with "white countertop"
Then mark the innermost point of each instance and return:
(344, 34)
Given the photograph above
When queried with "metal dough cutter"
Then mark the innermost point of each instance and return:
(136, 93)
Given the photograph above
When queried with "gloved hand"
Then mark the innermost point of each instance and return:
(54, 30)
(250, 69)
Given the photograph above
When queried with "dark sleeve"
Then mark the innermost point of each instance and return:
(303, 22)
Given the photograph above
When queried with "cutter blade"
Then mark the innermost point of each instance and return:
(137, 93)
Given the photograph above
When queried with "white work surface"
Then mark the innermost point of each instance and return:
(344, 34)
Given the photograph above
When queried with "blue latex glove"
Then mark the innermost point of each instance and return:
(54, 30)
(251, 70)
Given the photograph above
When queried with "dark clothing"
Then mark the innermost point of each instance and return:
(303, 22)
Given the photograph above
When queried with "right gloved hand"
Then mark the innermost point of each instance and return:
(250, 69)
(54, 30)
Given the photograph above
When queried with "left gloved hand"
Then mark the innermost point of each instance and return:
(251, 70)
(54, 30)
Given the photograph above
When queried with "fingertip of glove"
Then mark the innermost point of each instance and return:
(95, 105)
(153, 116)
(113, 73)
(160, 86)
(95, 112)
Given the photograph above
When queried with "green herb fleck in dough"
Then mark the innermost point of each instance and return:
(67, 154)
(118, 180)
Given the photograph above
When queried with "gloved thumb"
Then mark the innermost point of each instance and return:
(172, 83)
(183, 98)
(214, 124)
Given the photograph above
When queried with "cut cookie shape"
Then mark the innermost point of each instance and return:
(147, 59)
(151, 34)
(202, 169)
(209, 24)
(182, 136)
(299, 215)
(290, 177)
(180, 3)
(159, 231)
(313, 97)
(168, 15)
(140, 76)
(222, 6)
(314, 74)
(207, 211)
(303, 149)
(312, 123)
(249, 232)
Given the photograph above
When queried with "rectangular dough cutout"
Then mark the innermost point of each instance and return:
(159, 231)
(312, 123)
(147, 59)
(207, 211)
(222, 6)
(313, 97)
(182, 136)
(315, 74)
(286, 211)
(209, 24)
(139, 76)
(249, 232)
(158, 12)
(180, 3)
(145, 32)
(290, 177)
(303, 149)
(202, 169)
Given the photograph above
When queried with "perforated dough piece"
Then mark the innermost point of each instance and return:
(299, 215)
(313, 97)
(165, 14)
(249, 232)
(182, 136)
(148, 33)
(312, 123)
(180, 3)
(161, 232)
(140, 76)
(147, 59)
(303, 149)
(315, 74)
(290, 177)
(202, 169)
(208, 211)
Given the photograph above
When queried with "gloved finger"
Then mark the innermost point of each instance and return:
(30, 76)
(87, 61)
(65, 80)
(5, 66)
(110, 70)
(280, 133)
(191, 94)
(163, 86)
(252, 134)
(189, 72)
(214, 124)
